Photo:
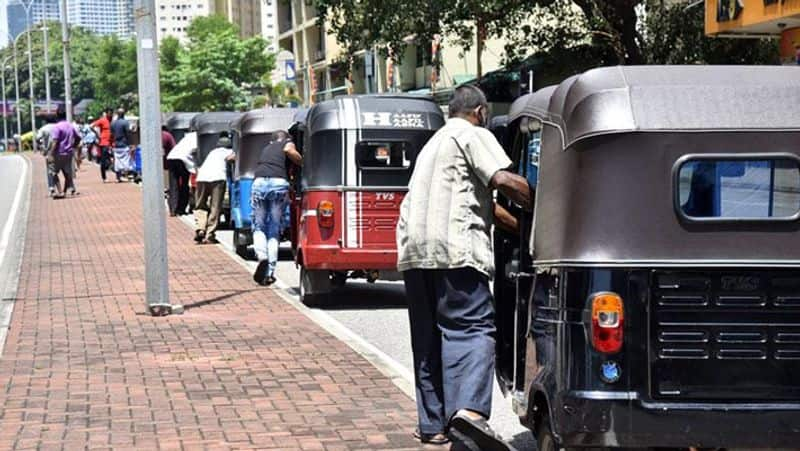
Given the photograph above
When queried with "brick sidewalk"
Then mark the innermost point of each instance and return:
(85, 367)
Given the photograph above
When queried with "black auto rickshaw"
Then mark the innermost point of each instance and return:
(208, 127)
(178, 123)
(653, 298)
(358, 155)
(251, 132)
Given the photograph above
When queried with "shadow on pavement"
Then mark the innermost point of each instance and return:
(216, 299)
(359, 296)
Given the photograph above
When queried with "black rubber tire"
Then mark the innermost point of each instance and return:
(310, 294)
(545, 441)
(241, 249)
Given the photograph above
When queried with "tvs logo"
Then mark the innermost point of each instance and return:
(398, 120)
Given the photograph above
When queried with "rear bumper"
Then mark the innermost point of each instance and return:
(335, 258)
(585, 420)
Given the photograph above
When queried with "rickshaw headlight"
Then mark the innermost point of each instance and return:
(325, 211)
(607, 322)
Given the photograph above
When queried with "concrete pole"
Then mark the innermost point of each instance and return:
(30, 80)
(5, 103)
(67, 67)
(16, 84)
(46, 31)
(155, 221)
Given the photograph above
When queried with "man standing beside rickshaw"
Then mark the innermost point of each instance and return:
(270, 195)
(445, 253)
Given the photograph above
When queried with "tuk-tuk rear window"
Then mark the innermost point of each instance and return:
(383, 155)
(728, 188)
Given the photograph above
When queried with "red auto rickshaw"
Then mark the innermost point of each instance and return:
(358, 155)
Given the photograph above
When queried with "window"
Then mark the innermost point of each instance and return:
(382, 155)
(762, 187)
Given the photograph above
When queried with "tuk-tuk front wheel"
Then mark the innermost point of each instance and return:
(315, 286)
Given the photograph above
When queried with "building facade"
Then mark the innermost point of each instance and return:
(15, 18)
(116, 17)
(321, 73)
(174, 16)
(757, 19)
(45, 10)
(269, 23)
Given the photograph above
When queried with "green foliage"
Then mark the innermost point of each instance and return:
(115, 80)
(215, 69)
(675, 35)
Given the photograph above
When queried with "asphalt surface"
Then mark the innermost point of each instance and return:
(377, 313)
(14, 181)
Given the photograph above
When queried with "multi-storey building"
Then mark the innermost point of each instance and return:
(14, 18)
(269, 23)
(174, 16)
(45, 10)
(322, 73)
(102, 16)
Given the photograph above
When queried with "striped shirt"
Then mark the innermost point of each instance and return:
(446, 217)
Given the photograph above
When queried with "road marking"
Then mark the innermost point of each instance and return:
(10, 280)
(391, 368)
(4, 236)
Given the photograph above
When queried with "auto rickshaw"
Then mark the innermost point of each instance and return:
(653, 298)
(178, 123)
(358, 155)
(208, 127)
(251, 132)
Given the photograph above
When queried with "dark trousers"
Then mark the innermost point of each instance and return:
(178, 195)
(105, 161)
(208, 206)
(452, 339)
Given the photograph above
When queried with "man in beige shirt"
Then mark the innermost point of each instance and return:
(445, 253)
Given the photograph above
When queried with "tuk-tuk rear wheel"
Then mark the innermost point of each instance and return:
(315, 286)
(545, 441)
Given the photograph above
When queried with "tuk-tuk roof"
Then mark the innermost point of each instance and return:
(179, 120)
(626, 99)
(380, 111)
(264, 120)
(213, 122)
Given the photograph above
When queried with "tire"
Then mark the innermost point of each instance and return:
(315, 286)
(339, 280)
(545, 441)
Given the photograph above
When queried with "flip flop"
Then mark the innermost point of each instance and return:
(480, 432)
(431, 439)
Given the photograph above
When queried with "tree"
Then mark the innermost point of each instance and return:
(215, 69)
(675, 35)
(115, 79)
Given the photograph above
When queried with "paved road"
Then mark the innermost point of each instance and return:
(377, 313)
(13, 209)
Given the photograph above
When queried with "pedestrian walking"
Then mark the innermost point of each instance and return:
(123, 150)
(210, 192)
(43, 137)
(179, 163)
(268, 199)
(64, 141)
(102, 129)
(445, 253)
(88, 139)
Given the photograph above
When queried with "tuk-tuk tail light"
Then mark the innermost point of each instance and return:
(325, 213)
(608, 319)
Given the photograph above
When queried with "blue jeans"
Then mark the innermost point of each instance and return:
(268, 199)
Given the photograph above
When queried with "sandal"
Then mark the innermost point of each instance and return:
(479, 431)
(432, 439)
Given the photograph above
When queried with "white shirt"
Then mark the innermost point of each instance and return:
(183, 151)
(447, 216)
(213, 168)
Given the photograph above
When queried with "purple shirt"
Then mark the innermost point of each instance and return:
(65, 137)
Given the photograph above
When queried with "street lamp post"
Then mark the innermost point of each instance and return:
(30, 78)
(45, 29)
(5, 102)
(67, 68)
(16, 84)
